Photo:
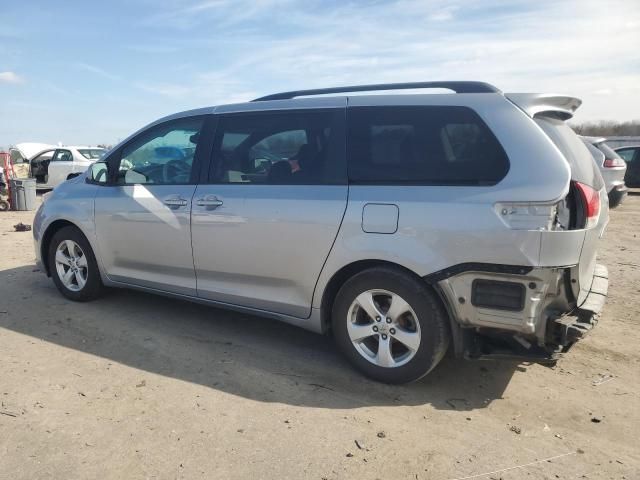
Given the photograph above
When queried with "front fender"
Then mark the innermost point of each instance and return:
(71, 202)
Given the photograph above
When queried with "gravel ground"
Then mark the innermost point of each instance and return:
(138, 386)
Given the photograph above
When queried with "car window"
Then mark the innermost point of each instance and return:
(43, 156)
(91, 153)
(279, 149)
(62, 156)
(16, 156)
(162, 155)
(422, 145)
(626, 154)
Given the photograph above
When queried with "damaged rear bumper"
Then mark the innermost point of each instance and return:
(572, 327)
(530, 318)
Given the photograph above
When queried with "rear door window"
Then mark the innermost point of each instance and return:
(62, 156)
(431, 145)
(280, 148)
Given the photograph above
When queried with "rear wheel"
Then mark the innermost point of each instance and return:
(390, 325)
(73, 265)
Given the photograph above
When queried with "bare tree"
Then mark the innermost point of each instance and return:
(608, 128)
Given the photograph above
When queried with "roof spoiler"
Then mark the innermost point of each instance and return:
(545, 104)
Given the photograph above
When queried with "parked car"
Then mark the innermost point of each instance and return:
(20, 154)
(612, 167)
(401, 224)
(52, 166)
(631, 155)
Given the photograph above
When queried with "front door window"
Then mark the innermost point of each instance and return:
(162, 156)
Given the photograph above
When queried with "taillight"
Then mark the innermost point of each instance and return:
(613, 162)
(591, 202)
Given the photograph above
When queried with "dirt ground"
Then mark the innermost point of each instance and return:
(138, 386)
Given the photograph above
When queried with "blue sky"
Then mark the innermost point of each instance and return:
(92, 72)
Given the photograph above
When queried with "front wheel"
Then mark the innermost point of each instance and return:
(73, 265)
(390, 325)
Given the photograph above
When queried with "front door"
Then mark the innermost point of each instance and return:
(264, 225)
(143, 217)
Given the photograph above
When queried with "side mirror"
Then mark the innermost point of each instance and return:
(98, 173)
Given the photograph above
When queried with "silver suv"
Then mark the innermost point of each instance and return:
(403, 225)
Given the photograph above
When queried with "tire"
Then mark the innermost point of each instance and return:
(4, 206)
(421, 321)
(85, 283)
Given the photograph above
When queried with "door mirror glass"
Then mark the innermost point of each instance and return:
(98, 173)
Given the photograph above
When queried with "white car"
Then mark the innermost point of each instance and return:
(54, 165)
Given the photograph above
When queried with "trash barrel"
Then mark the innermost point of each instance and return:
(23, 193)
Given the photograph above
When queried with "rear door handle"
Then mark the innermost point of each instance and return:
(210, 201)
(175, 201)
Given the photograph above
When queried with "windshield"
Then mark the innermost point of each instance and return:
(92, 153)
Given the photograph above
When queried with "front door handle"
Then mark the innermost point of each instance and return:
(176, 201)
(210, 201)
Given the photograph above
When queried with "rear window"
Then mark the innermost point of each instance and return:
(607, 150)
(91, 153)
(583, 166)
(432, 145)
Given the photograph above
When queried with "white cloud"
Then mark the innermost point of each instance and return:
(165, 89)
(97, 71)
(523, 46)
(443, 14)
(10, 77)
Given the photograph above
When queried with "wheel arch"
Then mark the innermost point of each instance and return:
(347, 271)
(51, 230)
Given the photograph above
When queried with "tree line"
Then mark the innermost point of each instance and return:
(608, 128)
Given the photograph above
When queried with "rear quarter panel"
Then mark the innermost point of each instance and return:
(439, 227)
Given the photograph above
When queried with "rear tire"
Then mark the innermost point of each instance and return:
(73, 265)
(390, 325)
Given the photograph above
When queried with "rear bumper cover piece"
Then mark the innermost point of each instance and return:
(572, 327)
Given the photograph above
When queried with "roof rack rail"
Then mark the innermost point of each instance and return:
(458, 87)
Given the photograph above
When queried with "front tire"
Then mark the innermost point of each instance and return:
(390, 325)
(73, 265)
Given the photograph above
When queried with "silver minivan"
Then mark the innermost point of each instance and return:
(403, 225)
(612, 167)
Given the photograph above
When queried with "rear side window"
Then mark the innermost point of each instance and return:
(431, 145)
